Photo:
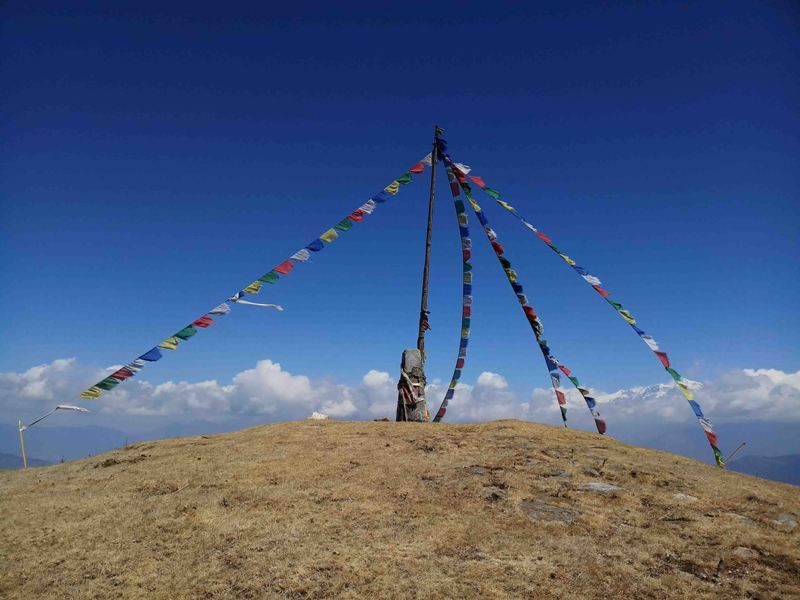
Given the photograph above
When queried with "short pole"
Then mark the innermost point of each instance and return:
(22, 445)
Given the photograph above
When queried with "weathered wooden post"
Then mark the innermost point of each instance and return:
(411, 404)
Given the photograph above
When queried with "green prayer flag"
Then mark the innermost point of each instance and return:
(493, 193)
(467, 267)
(405, 178)
(270, 277)
(505, 262)
(616, 305)
(186, 333)
(675, 375)
(109, 383)
(460, 206)
(343, 225)
(575, 381)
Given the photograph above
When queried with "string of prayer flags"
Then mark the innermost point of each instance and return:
(466, 300)
(683, 384)
(553, 366)
(271, 277)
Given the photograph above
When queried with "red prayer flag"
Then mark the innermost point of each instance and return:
(478, 181)
(529, 311)
(600, 291)
(601, 426)
(122, 374)
(417, 168)
(284, 267)
(357, 216)
(662, 356)
(565, 370)
(466, 254)
(467, 311)
(460, 363)
(543, 237)
(205, 321)
(712, 437)
(498, 248)
(454, 188)
(562, 400)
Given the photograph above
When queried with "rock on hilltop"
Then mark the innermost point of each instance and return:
(322, 509)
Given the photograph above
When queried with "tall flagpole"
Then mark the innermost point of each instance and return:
(423, 308)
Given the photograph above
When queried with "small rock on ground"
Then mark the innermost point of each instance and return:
(688, 497)
(559, 473)
(745, 553)
(477, 470)
(537, 510)
(493, 494)
(786, 519)
(600, 486)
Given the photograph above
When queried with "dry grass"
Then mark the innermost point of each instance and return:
(385, 510)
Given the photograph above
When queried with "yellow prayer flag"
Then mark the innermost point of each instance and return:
(687, 393)
(253, 288)
(628, 317)
(512, 275)
(329, 236)
(568, 260)
(474, 204)
(92, 393)
(169, 343)
(468, 277)
(465, 333)
(505, 205)
(392, 188)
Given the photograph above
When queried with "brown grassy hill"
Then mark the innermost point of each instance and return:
(386, 510)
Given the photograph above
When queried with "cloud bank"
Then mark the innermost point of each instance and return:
(269, 391)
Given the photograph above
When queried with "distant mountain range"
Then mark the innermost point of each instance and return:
(12, 461)
(778, 468)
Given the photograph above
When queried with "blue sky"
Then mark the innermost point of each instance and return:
(155, 160)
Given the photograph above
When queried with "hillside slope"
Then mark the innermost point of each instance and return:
(349, 510)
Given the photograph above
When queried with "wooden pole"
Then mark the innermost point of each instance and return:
(22, 445)
(423, 308)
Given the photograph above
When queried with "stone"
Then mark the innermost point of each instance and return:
(786, 519)
(477, 470)
(740, 518)
(687, 497)
(745, 553)
(493, 494)
(591, 472)
(559, 473)
(537, 510)
(600, 487)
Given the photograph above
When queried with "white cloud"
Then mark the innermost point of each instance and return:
(375, 378)
(268, 389)
(492, 380)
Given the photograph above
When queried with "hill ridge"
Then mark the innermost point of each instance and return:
(320, 509)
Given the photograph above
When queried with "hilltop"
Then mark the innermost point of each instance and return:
(321, 509)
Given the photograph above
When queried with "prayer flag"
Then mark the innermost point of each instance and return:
(284, 267)
(92, 393)
(205, 321)
(344, 225)
(316, 245)
(221, 310)
(152, 355)
(186, 332)
(170, 343)
(253, 288)
(329, 236)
